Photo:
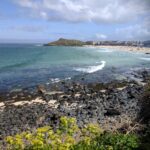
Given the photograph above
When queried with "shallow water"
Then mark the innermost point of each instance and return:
(26, 65)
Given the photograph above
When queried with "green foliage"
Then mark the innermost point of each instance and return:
(109, 141)
(66, 42)
(69, 137)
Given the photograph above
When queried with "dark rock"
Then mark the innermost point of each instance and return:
(112, 112)
(62, 82)
(41, 89)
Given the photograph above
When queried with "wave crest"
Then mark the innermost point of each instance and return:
(92, 69)
(145, 58)
(55, 80)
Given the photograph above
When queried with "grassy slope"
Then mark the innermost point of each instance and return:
(66, 42)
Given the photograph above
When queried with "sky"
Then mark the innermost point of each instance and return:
(47, 20)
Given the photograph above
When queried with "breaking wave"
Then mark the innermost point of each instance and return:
(91, 69)
(145, 58)
(55, 80)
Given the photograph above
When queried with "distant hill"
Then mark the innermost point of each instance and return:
(66, 42)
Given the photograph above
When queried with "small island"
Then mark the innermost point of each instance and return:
(66, 42)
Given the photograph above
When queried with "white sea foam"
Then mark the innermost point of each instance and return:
(92, 69)
(55, 80)
(69, 78)
(105, 51)
(145, 58)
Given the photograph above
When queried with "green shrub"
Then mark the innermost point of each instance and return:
(109, 141)
(69, 137)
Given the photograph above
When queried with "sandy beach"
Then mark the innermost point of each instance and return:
(124, 48)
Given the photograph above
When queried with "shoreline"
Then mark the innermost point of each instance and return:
(110, 105)
(30, 93)
(122, 48)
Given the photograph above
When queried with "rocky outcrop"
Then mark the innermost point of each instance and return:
(86, 103)
(110, 105)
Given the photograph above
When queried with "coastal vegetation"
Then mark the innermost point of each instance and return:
(69, 136)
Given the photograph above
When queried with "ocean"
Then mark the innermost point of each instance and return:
(27, 65)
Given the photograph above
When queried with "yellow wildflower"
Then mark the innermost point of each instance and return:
(10, 140)
(43, 129)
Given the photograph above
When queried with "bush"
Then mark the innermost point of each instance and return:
(109, 141)
(69, 137)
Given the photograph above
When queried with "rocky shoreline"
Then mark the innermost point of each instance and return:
(112, 105)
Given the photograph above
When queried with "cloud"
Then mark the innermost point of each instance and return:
(101, 36)
(135, 32)
(99, 11)
(27, 28)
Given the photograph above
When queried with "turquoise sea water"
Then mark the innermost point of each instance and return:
(26, 65)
